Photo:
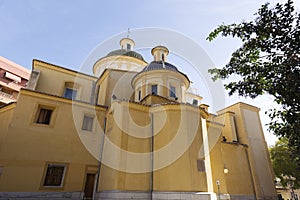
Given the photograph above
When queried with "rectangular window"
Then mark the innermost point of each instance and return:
(44, 116)
(154, 89)
(195, 102)
(201, 165)
(70, 93)
(87, 124)
(54, 175)
(172, 91)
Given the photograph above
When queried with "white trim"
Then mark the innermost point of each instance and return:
(207, 156)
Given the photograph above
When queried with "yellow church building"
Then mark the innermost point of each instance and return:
(132, 130)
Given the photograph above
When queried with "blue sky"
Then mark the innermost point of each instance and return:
(65, 32)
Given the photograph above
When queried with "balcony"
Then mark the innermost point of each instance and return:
(10, 84)
(6, 98)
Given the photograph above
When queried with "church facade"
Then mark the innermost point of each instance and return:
(132, 130)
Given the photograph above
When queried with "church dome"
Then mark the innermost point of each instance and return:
(124, 58)
(155, 65)
(158, 66)
(160, 78)
(159, 63)
(124, 52)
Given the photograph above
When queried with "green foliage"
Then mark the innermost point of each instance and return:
(268, 62)
(284, 166)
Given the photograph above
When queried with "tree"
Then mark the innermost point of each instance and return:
(284, 166)
(268, 63)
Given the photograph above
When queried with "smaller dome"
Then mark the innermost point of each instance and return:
(160, 65)
(155, 65)
(124, 52)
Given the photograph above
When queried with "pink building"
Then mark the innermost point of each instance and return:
(12, 78)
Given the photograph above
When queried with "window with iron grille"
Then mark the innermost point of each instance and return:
(54, 175)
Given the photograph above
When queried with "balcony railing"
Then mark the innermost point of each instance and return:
(9, 96)
(6, 98)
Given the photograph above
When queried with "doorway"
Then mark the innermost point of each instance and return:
(89, 186)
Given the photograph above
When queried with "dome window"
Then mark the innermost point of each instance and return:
(128, 47)
(140, 95)
(172, 91)
(154, 89)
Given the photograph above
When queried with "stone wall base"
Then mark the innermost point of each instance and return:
(114, 195)
(124, 195)
(243, 197)
(41, 195)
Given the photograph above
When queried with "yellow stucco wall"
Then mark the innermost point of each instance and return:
(6, 115)
(27, 147)
(174, 171)
(115, 82)
(53, 78)
(238, 179)
(38, 145)
(249, 132)
(178, 141)
(123, 173)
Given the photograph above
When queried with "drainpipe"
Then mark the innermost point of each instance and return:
(151, 157)
(100, 160)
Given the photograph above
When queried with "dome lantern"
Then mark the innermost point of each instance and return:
(160, 53)
(127, 44)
